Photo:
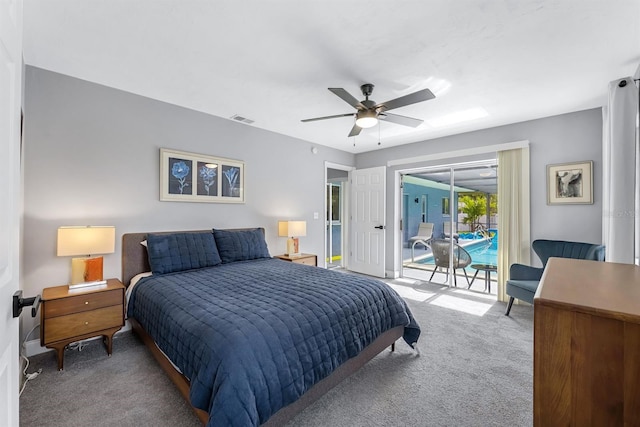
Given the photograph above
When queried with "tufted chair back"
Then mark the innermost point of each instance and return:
(546, 249)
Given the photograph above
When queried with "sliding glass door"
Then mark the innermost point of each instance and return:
(460, 204)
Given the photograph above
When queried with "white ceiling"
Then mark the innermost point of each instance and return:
(272, 61)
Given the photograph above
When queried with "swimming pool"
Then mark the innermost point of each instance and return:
(484, 253)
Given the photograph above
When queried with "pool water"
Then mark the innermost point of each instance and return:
(484, 254)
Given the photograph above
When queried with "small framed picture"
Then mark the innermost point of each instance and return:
(190, 177)
(570, 183)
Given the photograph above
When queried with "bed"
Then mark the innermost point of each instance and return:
(249, 339)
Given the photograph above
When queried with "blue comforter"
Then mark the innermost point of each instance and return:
(253, 336)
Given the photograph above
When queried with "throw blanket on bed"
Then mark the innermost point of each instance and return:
(253, 336)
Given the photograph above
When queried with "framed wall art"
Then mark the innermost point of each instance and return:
(190, 177)
(570, 183)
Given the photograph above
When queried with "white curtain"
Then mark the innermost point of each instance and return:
(621, 180)
(514, 213)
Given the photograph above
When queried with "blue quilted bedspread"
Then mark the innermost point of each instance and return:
(253, 336)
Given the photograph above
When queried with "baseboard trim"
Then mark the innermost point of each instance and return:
(33, 347)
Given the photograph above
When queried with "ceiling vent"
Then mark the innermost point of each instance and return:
(238, 118)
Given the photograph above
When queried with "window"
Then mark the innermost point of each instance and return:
(445, 206)
(333, 203)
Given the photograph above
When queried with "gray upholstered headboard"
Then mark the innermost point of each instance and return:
(134, 255)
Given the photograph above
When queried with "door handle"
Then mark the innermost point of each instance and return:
(379, 227)
(19, 303)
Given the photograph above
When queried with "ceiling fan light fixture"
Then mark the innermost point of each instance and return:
(367, 114)
(366, 119)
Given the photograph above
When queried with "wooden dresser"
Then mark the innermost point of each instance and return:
(67, 315)
(586, 357)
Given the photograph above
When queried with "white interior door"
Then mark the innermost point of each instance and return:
(368, 221)
(10, 106)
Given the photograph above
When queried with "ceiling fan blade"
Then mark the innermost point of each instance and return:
(355, 130)
(346, 97)
(412, 98)
(327, 117)
(400, 120)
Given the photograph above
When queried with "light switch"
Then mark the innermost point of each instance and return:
(316, 215)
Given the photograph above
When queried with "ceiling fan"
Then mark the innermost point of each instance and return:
(369, 112)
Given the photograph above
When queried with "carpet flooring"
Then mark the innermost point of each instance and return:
(474, 369)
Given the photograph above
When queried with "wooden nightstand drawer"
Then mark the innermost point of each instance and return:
(307, 259)
(80, 303)
(311, 260)
(63, 327)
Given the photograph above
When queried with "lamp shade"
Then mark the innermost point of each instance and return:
(86, 240)
(292, 228)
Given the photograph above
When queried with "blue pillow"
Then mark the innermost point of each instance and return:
(173, 252)
(241, 245)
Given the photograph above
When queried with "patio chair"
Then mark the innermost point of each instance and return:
(461, 258)
(524, 280)
(446, 227)
(424, 236)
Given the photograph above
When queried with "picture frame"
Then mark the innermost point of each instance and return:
(192, 177)
(570, 183)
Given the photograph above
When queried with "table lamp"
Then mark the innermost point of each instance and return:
(292, 230)
(87, 241)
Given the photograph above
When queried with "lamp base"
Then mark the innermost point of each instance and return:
(86, 270)
(97, 283)
(293, 247)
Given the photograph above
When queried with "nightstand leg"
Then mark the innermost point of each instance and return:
(108, 341)
(59, 354)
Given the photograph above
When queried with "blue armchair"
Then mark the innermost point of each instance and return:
(523, 279)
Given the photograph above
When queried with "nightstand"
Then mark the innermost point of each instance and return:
(307, 259)
(67, 315)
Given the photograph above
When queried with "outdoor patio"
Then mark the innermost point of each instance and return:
(419, 271)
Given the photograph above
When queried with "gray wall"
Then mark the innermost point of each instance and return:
(91, 157)
(558, 139)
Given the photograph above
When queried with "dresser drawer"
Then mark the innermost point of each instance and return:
(85, 302)
(64, 327)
